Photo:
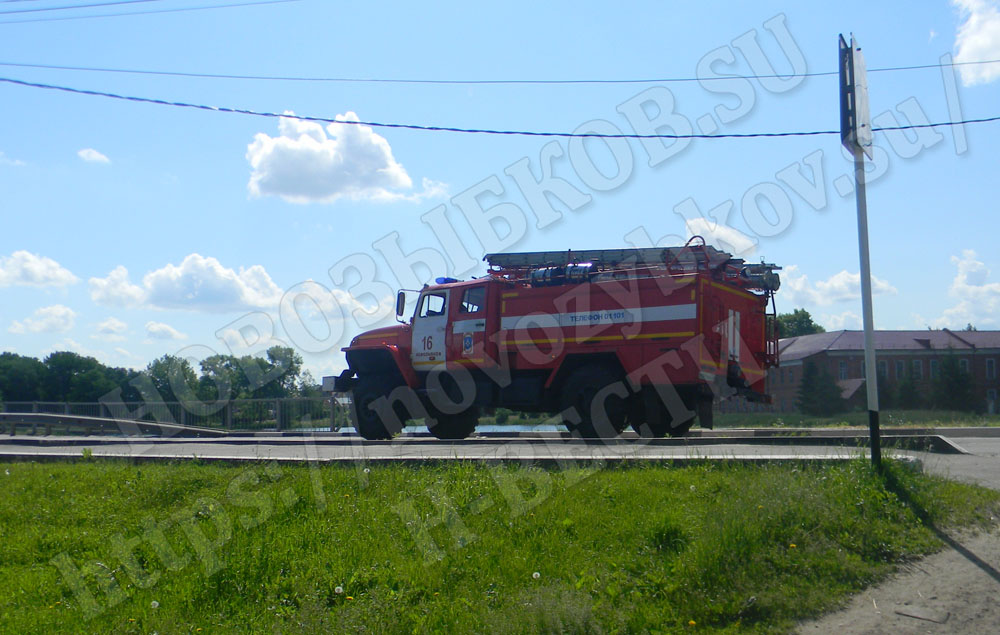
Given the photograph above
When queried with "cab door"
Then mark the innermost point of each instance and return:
(429, 344)
(467, 340)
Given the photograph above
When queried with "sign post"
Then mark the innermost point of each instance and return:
(856, 135)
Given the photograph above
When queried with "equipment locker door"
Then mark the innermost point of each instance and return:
(429, 341)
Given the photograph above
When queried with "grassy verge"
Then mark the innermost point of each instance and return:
(888, 419)
(178, 548)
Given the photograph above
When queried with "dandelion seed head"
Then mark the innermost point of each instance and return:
(536, 575)
(338, 589)
(154, 604)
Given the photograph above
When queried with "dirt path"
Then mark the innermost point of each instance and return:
(954, 591)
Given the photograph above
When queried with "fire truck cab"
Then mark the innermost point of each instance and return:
(601, 338)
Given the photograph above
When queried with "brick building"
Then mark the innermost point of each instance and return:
(898, 354)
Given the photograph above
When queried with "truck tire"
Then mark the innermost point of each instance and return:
(653, 419)
(455, 426)
(367, 419)
(601, 412)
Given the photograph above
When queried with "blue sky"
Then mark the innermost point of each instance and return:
(131, 230)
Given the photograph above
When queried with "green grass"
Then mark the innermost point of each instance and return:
(887, 419)
(454, 547)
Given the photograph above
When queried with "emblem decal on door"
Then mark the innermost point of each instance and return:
(467, 344)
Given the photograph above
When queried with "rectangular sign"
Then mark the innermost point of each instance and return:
(855, 117)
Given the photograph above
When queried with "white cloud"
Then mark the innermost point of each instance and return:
(978, 298)
(111, 330)
(112, 326)
(721, 236)
(116, 290)
(201, 283)
(846, 320)
(48, 319)
(30, 270)
(840, 287)
(5, 160)
(161, 331)
(198, 283)
(91, 155)
(306, 163)
(977, 39)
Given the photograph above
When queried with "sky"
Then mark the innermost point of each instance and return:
(131, 230)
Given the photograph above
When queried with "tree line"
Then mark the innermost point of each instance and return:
(70, 377)
(952, 389)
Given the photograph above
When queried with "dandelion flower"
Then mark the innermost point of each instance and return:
(691, 622)
(791, 546)
(350, 597)
(338, 589)
(154, 604)
(536, 575)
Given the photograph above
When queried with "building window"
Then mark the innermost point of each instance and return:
(963, 364)
(883, 369)
(791, 375)
(900, 368)
(918, 369)
(935, 372)
(991, 369)
(842, 372)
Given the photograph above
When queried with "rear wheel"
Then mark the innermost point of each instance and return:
(455, 426)
(598, 398)
(654, 419)
(372, 418)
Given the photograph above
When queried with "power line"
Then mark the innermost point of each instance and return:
(487, 131)
(651, 80)
(150, 12)
(76, 6)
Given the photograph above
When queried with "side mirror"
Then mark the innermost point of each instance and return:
(400, 303)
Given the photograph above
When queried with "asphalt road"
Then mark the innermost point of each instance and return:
(971, 455)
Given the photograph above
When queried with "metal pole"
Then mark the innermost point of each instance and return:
(871, 372)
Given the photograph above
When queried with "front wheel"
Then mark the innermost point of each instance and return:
(373, 418)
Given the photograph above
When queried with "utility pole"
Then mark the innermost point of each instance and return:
(856, 135)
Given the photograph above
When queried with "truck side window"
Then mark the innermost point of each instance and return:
(472, 300)
(432, 304)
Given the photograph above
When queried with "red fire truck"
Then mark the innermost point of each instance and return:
(602, 338)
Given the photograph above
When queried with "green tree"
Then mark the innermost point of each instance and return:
(796, 323)
(90, 385)
(908, 396)
(21, 377)
(886, 393)
(819, 394)
(60, 370)
(954, 388)
(173, 378)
